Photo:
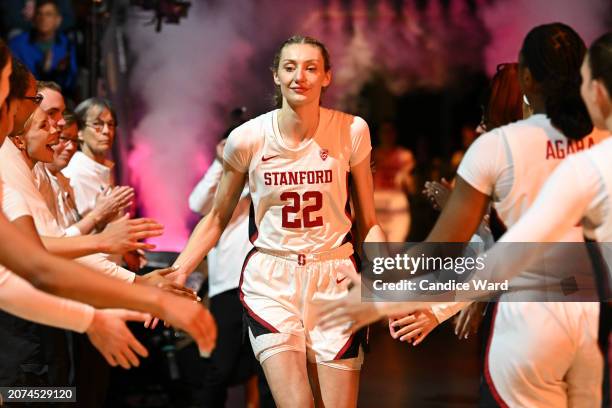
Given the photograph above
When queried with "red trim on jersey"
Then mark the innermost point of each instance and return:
(352, 258)
(349, 342)
(487, 373)
(344, 348)
(347, 206)
(253, 231)
(246, 307)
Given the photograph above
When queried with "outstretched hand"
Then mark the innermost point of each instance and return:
(350, 312)
(192, 317)
(414, 327)
(123, 235)
(468, 319)
(109, 334)
(160, 278)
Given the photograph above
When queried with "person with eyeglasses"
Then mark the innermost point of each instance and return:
(26, 209)
(90, 171)
(37, 278)
(61, 199)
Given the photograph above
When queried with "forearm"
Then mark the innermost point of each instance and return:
(21, 299)
(203, 238)
(100, 263)
(443, 311)
(88, 223)
(375, 234)
(69, 279)
(74, 247)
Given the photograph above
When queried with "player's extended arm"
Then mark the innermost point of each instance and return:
(462, 214)
(457, 223)
(118, 237)
(68, 279)
(560, 205)
(208, 231)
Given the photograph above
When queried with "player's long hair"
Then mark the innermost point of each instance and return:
(298, 39)
(600, 60)
(553, 53)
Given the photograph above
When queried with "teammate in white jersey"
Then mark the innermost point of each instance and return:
(547, 353)
(298, 160)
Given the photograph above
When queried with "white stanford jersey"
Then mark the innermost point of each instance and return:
(598, 224)
(539, 354)
(511, 164)
(299, 195)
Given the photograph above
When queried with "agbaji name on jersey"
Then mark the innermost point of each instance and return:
(558, 149)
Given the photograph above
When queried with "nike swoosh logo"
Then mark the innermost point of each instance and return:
(265, 159)
(340, 280)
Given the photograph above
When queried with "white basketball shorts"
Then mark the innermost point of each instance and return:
(282, 293)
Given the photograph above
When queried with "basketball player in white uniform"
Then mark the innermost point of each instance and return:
(547, 354)
(298, 160)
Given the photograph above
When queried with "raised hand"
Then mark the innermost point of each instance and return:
(110, 335)
(414, 327)
(468, 319)
(123, 235)
(193, 318)
(159, 278)
(438, 193)
(111, 202)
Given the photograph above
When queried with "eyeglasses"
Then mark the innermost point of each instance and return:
(99, 126)
(36, 99)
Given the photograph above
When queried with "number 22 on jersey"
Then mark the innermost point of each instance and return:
(309, 202)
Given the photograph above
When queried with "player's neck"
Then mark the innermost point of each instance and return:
(298, 124)
(609, 123)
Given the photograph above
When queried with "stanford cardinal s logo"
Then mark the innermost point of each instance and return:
(324, 153)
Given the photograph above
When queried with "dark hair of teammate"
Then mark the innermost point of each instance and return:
(553, 53)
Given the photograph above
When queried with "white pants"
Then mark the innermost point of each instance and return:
(545, 355)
